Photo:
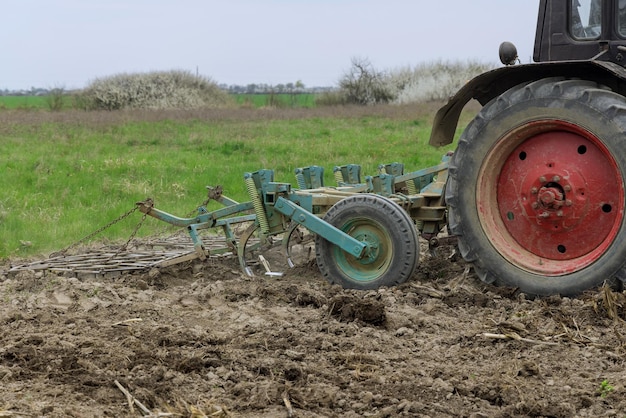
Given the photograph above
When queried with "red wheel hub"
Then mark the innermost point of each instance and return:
(558, 200)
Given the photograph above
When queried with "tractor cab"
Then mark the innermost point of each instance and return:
(583, 39)
(581, 30)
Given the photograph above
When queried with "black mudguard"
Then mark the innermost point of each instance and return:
(491, 84)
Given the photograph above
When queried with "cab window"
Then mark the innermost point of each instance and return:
(621, 17)
(585, 19)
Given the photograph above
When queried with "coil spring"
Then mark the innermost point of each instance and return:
(300, 179)
(410, 185)
(255, 197)
(338, 176)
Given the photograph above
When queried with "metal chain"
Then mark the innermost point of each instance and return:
(98, 231)
(113, 222)
(206, 202)
(213, 194)
(132, 236)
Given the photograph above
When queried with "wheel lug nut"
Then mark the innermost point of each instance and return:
(534, 190)
(559, 214)
(568, 202)
(542, 179)
(556, 179)
(534, 205)
(544, 215)
(567, 188)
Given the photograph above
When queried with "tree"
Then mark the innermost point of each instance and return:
(362, 84)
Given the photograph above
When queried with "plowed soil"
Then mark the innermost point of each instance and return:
(202, 339)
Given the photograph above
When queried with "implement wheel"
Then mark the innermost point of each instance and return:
(536, 188)
(392, 251)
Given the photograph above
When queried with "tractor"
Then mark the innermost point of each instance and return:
(535, 190)
(533, 196)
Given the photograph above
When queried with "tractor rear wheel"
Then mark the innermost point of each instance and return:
(536, 188)
(392, 251)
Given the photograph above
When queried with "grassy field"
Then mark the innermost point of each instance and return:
(65, 174)
(23, 102)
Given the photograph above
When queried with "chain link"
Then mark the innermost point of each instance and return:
(206, 202)
(214, 194)
(132, 236)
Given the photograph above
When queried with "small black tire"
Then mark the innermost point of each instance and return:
(393, 250)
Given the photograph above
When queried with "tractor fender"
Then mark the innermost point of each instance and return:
(492, 84)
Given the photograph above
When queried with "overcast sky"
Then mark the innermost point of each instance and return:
(68, 43)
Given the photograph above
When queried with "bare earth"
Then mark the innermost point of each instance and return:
(201, 339)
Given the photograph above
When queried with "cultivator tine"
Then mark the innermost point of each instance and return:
(266, 266)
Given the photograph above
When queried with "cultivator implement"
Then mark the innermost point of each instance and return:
(363, 230)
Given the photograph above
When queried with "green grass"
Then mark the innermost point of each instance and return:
(66, 174)
(305, 100)
(34, 102)
(23, 102)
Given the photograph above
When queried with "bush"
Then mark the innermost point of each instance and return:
(433, 81)
(436, 81)
(55, 99)
(155, 90)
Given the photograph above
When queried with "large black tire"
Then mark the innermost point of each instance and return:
(536, 188)
(393, 250)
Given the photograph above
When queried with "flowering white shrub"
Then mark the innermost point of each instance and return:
(363, 84)
(155, 90)
(433, 81)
